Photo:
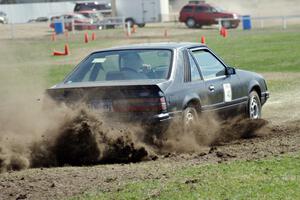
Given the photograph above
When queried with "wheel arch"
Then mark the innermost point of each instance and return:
(255, 87)
(192, 100)
(130, 19)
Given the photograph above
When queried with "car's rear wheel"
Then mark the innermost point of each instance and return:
(190, 118)
(191, 23)
(129, 21)
(254, 106)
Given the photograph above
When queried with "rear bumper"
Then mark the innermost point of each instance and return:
(157, 123)
(141, 118)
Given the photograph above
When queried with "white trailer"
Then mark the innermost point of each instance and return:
(140, 12)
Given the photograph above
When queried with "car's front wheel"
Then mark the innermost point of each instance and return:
(254, 106)
(226, 24)
(190, 118)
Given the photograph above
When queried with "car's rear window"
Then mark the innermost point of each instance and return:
(123, 65)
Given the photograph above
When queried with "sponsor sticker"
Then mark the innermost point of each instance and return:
(227, 92)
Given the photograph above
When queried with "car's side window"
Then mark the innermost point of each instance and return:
(200, 9)
(195, 74)
(209, 65)
(188, 9)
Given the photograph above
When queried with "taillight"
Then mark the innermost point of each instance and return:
(163, 103)
(140, 105)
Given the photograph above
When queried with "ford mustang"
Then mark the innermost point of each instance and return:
(154, 83)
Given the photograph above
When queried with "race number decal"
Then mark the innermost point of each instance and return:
(227, 92)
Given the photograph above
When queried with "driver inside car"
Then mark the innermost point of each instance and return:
(131, 65)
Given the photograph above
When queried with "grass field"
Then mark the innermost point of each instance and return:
(261, 51)
(28, 64)
(277, 178)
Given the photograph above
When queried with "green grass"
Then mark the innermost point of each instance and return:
(275, 178)
(271, 52)
(57, 73)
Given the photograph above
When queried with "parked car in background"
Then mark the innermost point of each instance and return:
(3, 18)
(96, 16)
(104, 8)
(155, 83)
(39, 19)
(80, 21)
(199, 13)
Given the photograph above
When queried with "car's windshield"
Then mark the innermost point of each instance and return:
(123, 65)
(218, 9)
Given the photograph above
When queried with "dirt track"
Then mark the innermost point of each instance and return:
(56, 183)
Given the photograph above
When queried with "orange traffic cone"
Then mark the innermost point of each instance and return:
(166, 33)
(58, 53)
(67, 49)
(203, 40)
(225, 33)
(86, 37)
(93, 36)
(222, 31)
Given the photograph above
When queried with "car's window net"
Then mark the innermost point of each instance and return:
(209, 65)
(123, 65)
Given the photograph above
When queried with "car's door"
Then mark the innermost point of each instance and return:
(193, 80)
(201, 15)
(222, 89)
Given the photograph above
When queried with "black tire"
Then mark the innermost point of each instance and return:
(190, 22)
(131, 22)
(141, 25)
(226, 24)
(254, 106)
(190, 118)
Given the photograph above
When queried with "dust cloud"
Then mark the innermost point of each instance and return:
(45, 134)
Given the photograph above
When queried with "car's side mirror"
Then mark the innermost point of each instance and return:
(230, 71)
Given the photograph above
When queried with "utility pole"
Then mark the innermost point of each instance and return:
(113, 8)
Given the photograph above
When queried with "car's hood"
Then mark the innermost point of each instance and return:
(245, 72)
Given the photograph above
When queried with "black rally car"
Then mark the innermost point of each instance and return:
(153, 83)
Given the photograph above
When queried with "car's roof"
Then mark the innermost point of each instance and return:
(162, 45)
(89, 2)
